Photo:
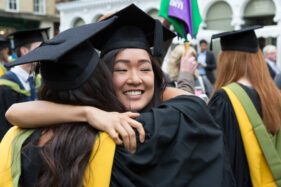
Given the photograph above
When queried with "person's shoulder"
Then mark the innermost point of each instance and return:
(220, 93)
(219, 97)
(5, 88)
(188, 104)
(209, 53)
(183, 99)
(220, 104)
(8, 90)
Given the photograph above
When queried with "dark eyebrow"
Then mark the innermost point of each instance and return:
(144, 60)
(122, 60)
(128, 61)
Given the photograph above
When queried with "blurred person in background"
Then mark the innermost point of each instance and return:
(270, 54)
(247, 105)
(183, 73)
(206, 61)
(20, 84)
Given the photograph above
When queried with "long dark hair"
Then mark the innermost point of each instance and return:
(159, 79)
(67, 153)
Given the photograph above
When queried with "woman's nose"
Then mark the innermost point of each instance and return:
(134, 78)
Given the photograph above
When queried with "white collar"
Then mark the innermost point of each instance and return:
(21, 73)
(270, 62)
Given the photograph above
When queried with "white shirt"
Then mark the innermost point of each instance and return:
(22, 75)
(273, 66)
(202, 59)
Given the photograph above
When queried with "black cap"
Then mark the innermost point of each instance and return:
(240, 40)
(67, 60)
(23, 37)
(133, 29)
(4, 42)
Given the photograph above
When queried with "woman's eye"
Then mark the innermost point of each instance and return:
(146, 69)
(120, 70)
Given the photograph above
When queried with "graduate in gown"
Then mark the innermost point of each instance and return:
(241, 61)
(63, 155)
(183, 145)
(20, 83)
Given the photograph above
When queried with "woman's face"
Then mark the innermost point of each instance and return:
(133, 78)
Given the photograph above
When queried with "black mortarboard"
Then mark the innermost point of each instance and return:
(67, 60)
(23, 37)
(239, 40)
(4, 42)
(133, 29)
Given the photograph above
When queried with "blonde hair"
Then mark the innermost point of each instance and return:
(232, 65)
(173, 65)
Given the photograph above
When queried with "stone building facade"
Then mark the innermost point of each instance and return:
(217, 15)
(27, 14)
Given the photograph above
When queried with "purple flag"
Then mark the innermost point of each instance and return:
(182, 10)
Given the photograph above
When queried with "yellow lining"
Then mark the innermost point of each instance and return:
(260, 173)
(98, 172)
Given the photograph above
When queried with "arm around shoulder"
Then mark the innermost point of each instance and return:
(170, 93)
(43, 113)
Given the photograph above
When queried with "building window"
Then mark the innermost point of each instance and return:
(39, 6)
(78, 22)
(12, 5)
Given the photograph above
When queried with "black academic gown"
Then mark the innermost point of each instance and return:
(183, 147)
(221, 108)
(7, 98)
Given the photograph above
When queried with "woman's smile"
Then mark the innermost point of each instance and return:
(133, 78)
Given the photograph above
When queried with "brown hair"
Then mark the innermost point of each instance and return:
(233, 65)
(67, 153)
(18, 52)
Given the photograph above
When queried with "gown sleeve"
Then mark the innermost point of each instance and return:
(183, 147)
(221, 108)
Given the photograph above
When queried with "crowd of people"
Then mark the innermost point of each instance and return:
(106, 115)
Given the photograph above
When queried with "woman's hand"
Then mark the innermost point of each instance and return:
(114, 122)
(36, 114)
(188, 64)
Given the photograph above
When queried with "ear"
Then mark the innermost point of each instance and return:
(23, 50)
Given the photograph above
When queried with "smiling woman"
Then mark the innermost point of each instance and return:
(133, 78)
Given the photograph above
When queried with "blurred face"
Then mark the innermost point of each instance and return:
(133, 78)
(203, 47)
(272, 56)
(24, 50)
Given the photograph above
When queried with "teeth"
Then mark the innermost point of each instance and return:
(133, 93)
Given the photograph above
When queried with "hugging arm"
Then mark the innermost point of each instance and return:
(43, 113)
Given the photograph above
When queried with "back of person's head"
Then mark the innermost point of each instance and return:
(75, 140)
(238, 61)
(72, 75)
(268, 49)
(175, 55)
(25, 38)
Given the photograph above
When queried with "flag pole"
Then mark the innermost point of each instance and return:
(186, 48)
